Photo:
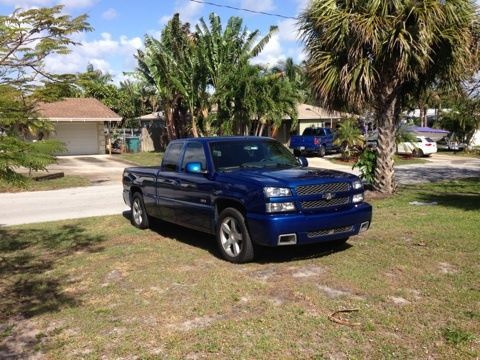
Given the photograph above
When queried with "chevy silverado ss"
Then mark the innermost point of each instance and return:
(247, 191)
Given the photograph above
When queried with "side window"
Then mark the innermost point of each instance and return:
(418, 140)
(194, 153)
(172, 157)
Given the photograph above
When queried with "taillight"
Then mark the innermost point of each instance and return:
(316, 141)
(428, 144)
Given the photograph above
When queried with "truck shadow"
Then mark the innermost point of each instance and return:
(263, 254)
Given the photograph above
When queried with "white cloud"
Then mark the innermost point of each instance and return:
(77, 4)
(272, 53)
(28, 4)
(189, 11)
(109, 14)
(302, 4)
(258, 5)
(101, 53)
(288, 30)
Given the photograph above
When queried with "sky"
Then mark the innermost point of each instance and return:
(120, 27)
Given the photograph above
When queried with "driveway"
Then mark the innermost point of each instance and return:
(99, 169)
(106, 199)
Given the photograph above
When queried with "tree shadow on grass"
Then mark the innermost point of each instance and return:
(462, 201)
(27, 283)
(263, 255)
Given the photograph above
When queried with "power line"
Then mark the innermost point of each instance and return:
(243, 9)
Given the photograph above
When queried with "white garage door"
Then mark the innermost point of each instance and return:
(80, 138)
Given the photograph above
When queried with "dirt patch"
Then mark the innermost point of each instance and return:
(375, 195)
(22, 341)
(446, 268)
(333, 293)
(196, 323)
(400, 301)
(308, 271)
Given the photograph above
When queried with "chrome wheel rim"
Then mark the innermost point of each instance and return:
(137, 212)
(231, 236)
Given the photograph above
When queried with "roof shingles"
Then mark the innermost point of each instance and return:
(81, 109)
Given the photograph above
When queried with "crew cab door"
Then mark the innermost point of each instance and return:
(194, 190)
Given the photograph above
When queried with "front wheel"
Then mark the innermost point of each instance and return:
(139, 214)
(233, 238)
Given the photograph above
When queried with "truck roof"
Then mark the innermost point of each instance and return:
(222, 138)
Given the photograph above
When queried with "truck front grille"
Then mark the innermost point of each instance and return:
(322, 188)
(325, 203)
(339, 230)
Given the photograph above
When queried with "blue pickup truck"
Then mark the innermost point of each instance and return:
(249, 192)
(316, 141)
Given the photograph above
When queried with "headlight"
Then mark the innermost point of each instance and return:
(357, 184)
(357, 198)
(276, 192)
(280, 207)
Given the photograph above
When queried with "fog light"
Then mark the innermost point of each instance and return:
(357, 198)
(280, 207)
(364, 226)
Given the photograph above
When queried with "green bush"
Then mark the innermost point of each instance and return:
(367, 161)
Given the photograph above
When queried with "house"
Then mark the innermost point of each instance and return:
(155, 119)
(79, 123)
(308, 116)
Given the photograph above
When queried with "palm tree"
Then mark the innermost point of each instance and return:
(371, 52)
(348, 137)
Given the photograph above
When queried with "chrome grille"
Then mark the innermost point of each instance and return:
(326, 232)
(325, 203)
(322, 188)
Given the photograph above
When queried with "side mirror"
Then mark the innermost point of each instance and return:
(302, 161)
(195, 168)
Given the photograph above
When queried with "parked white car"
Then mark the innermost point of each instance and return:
(422, 146)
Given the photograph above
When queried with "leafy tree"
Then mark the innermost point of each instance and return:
(374, 53)
(225, 53)
(349, 137)
(27, 37)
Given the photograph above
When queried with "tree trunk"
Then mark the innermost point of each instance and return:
(260, 131)
(171, 131)
(421, 107)
(384, 179)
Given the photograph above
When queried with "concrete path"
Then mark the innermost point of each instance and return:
(73, 203)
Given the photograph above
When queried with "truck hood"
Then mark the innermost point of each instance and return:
(287, 177)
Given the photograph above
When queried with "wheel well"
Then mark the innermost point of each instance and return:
(135, 189)
(222, 204)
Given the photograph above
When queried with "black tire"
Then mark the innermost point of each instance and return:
(322, 151)
(417, 153)
(297, 152)
(139, 214)
(231, 224)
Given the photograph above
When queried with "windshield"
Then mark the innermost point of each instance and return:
(229, 155)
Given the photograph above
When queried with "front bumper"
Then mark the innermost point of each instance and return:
(308, 228)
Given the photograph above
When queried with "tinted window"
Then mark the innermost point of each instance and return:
(172, 157)
(230, 155)
(429, 140)
(194, 153)
(307, 132)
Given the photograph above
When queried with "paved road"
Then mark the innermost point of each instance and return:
(40, 206)
(31, 207)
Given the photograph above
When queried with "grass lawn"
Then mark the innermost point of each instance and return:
(471, 154)
(54, 184)
(143, 158)
(398, 159)
(98, 287)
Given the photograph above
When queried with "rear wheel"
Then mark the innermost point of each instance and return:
(322, 151)
(139, 214)
(417, 153)
(233, 238)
